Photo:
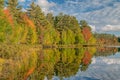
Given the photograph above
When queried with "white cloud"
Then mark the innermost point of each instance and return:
(5, 8)
(93, 28)
(111, 28)
(108, 61)
(24, 10)
(21, 0)
(103, 68)
(95, 12)
(45, 5)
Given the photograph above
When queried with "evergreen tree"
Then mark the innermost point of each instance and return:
(83, 23)
(36, 15)
(5, 28)
(14, 9)
(1, 4)
(50, 18)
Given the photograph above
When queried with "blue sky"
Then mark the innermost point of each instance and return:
(57, 1)
(102, 15)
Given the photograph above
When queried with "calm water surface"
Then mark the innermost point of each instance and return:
(61, 64)
(105, 65)
(101, 68)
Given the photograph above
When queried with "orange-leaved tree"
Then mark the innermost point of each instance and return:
(86, 30)
(8, 16)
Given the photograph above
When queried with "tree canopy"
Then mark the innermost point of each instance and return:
(34, 27)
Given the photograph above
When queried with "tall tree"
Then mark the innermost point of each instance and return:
(44, 28)
(37, 16)
(50, 18)
(1, 4)
(14, 8)
(5, 27)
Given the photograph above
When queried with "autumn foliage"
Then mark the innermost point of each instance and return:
(8, 16)
(28, 21)
(33, 26)
(87, 58)
(30, 71)
(86, 33)
(106, 39)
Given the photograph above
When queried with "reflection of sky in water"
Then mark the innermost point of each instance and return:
(101, 68)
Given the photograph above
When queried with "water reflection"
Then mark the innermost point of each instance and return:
(74, 64)
(106, 51)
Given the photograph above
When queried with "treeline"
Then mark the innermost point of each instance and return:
(106, 39)
(34, 27)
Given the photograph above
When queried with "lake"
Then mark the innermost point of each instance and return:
(88, 63)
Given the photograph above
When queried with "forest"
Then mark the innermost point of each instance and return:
(24, 33)
(34, 27)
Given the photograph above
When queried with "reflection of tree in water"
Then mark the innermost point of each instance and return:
(71, 60)
(118, 49)
(49, 62)
(20, 62)
(106, 51)
(65, 70)
(61, 62)
(87, 58)
(65, 62)
(45, 65)
(67, 65)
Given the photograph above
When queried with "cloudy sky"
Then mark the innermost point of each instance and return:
(102, 15)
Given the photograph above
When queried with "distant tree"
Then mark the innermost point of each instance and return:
(103, 38)
(119, 39)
